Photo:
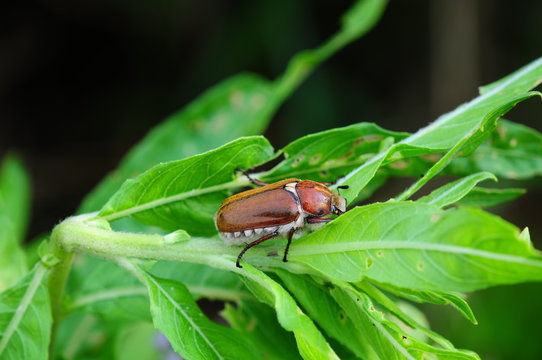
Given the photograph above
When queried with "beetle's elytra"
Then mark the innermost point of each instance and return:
(278, 209)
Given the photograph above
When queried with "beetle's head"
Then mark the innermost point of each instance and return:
(338, 204)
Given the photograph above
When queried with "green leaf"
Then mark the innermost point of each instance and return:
(387, 339)
(329, 154)
(456, 190)
(448, 129)
(513, 151)
(201, 182)
(408, 317)
(117, 296)
(83, 336)
(189, 331)
(469, 141)
(361, 17)
(204, 281)
(434, 297)
(531, 83)
(15, 193)
(358, 179)
(310, 342)
(317, 302)
(14, 209)
(239, 106)
(136, 342)
(258, 322)
(357, 21)
(25, 318)
(461, 130)
(444, 250)
(483, 197)
(120, 296)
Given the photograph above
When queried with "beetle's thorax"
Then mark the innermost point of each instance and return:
(315, 198)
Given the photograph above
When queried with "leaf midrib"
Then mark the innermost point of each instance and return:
(470, 183)
(23, 306)
(472, 104)
(195, 326)
(327, 249)
(112, 294)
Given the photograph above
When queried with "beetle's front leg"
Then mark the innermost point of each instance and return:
(252, 180)
(254, 243)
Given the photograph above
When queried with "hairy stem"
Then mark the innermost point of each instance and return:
(76, 235)
(57, 282)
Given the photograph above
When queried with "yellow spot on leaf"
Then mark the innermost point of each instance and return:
(315, 159)
(298, 160)
(420, 266)
(236, 99)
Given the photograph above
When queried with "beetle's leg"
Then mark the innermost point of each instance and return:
(315, 220)
(252, 180)
(290, 235)
(254, 243)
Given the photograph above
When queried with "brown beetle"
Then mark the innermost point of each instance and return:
(278, 209)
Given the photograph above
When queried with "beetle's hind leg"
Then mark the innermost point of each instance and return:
(290, 235)
(254, 243)
(250, 178)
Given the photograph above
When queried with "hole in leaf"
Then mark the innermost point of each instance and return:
(257, 101)
(236, 99)
(315, 159)
(406, 340)
(298, 160)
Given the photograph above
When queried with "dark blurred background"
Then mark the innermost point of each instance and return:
(83, 81)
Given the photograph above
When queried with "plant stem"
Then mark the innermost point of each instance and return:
(78, 236)
(57, 282)
(75, 235)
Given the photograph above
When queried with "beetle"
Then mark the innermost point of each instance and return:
(278, 209)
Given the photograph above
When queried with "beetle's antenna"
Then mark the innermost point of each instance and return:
(342, 187)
